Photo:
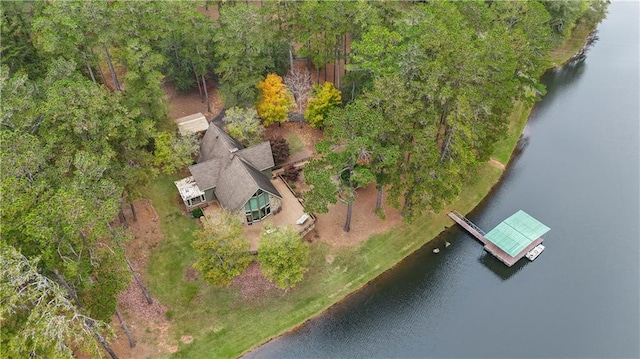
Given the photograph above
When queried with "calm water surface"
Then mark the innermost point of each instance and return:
(580, 176)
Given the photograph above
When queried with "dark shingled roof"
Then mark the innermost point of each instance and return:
(232, 170)
(261, 180)
(216, 143)
(206, 173)
(259, 156)
(240, 183)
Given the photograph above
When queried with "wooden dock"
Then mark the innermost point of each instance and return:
(488, 246)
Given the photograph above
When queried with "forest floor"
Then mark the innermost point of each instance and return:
(147, 323)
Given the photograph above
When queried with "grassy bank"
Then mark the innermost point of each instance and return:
(571, 46)
(517, 121)
(223, 325)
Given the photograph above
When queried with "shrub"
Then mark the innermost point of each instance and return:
(291, 173)
(279, 149)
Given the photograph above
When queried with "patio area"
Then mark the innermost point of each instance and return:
(290, 214)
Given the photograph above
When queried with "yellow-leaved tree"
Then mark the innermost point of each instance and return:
(275, 100)
(325, 98)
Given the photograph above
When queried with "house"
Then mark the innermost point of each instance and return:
(238, 178)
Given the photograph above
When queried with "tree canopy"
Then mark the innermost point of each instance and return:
(283, 255)
(37, 317)
(275, 100)
(224, 252)
(325, 98)
(244, 125)
(345, 158)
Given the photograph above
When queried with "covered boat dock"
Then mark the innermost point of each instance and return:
(510, 240)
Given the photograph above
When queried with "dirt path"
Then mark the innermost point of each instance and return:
(497, 163)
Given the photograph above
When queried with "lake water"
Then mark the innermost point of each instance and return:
(579, 175)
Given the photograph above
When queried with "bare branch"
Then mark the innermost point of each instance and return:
(298, 81)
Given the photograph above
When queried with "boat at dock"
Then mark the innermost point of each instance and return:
(535, 252)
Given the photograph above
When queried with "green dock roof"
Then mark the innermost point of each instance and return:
(516, 232)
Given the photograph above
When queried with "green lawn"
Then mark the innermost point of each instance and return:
(224, 326)
(295, 144)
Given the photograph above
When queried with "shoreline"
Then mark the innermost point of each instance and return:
(513, 142)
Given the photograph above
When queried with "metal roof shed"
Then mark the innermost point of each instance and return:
(192, 124)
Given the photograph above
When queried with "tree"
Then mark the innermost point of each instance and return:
(324, 188)
(291, 173)
(564, 14)
(73, 144)
(353, 134)
(596, 12)
(243, 43)
(37, 318)
(187, 46)
(324, 27)
(174, 152)
(17, 49)
(79, 115)
(110, 278)
(74, 30)
(298, 81)
(275, 100)
(326, 97)
(526, 35)
(224, 252)
(136, 41)
(243, 125)
(143, 80)
(430, 73)
(283, 255)
(279, 149)
(377, 51)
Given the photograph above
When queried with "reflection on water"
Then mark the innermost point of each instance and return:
(499, 269)
(565, 75)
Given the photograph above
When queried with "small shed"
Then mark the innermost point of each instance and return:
(192, 124)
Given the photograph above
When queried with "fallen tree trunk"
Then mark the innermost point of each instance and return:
(133, 211)
(142, 287)
(132, 343)
(105, 345)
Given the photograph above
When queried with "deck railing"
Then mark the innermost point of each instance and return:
(467, 221)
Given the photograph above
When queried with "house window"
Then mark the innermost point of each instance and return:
(257, 207)
(196, 200)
